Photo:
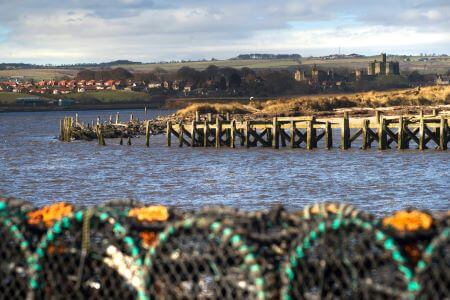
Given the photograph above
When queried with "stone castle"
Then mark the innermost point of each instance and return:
(383, 67)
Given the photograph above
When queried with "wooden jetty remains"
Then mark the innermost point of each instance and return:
(306, 132)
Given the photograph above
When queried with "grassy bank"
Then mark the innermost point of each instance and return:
(100, 97)
(109, 97)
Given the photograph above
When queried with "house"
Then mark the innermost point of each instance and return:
(42, 83)
(187, 88)
(61, 91)
(154, 85)
(81, 83)
(81, 89)
(110, 83)
(176, 85)
(166, 84)
(62, 83)
(90, 83)
(442, 80)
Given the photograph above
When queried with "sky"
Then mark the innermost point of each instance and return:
(80, 31)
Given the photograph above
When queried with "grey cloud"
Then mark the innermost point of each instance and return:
(154, 29)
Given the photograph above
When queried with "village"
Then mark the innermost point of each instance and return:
(221, 82)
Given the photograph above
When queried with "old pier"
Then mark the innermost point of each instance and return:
(308, 132)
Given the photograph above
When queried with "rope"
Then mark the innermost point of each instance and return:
(86, 235)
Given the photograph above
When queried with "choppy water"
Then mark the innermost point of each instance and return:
(35, 166)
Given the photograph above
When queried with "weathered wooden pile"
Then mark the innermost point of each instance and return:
(72, 129)
(307, 132)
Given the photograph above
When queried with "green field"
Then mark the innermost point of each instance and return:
(433, 65)
(100, 97)
(439, 64)
(107, 97)
(10, 98)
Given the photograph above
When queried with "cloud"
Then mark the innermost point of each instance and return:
(51, 31)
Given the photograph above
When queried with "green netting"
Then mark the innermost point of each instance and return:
(325, 251)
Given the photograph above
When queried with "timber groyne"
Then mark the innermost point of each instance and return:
(309, 132)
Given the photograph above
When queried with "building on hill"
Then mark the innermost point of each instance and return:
(318, 76)
(442, 80)
(300, 75)
(383, 67)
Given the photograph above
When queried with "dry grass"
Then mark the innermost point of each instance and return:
(39, 74)
(216, 108)
(433, 95)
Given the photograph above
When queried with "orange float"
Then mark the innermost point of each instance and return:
(409, 221)
(49, 214)
(155, 213)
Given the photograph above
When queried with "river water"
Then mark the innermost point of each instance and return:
(37, 167)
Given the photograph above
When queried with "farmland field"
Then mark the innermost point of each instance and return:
(432, 65)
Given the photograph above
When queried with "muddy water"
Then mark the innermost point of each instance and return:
(35, 166)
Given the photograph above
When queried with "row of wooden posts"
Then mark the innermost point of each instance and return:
(306, 132)
(68, 123)
(296, 132)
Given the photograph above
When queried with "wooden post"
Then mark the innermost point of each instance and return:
(193, 133)
(131, 117)
(309, 135)
(443, 131)
(209, 117)
(401, 134)
(218, 132)
(117, 118)
(275, 134)
(345, 132)
(76, 119)
(328, 135)
(129, 140)
(227, 116)
(365, 136)
(180, 134)
(110, 119)
(435, 112)
(422, 145)
(382, 134)
(147, 134)
(121, 141)
(293, 134)
(232, 133)
(98, 120)
(169, 133)
(61, 129)
(145, 110)
(247, 134)
(197, 116)
(421, 113)
(377, 116)
(205, 134)
(101, 139)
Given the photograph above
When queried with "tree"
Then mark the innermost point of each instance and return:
(416, 77)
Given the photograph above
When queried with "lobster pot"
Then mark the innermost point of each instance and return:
(345, 258)
(14, 252)
(87, 255)
(201, 258)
